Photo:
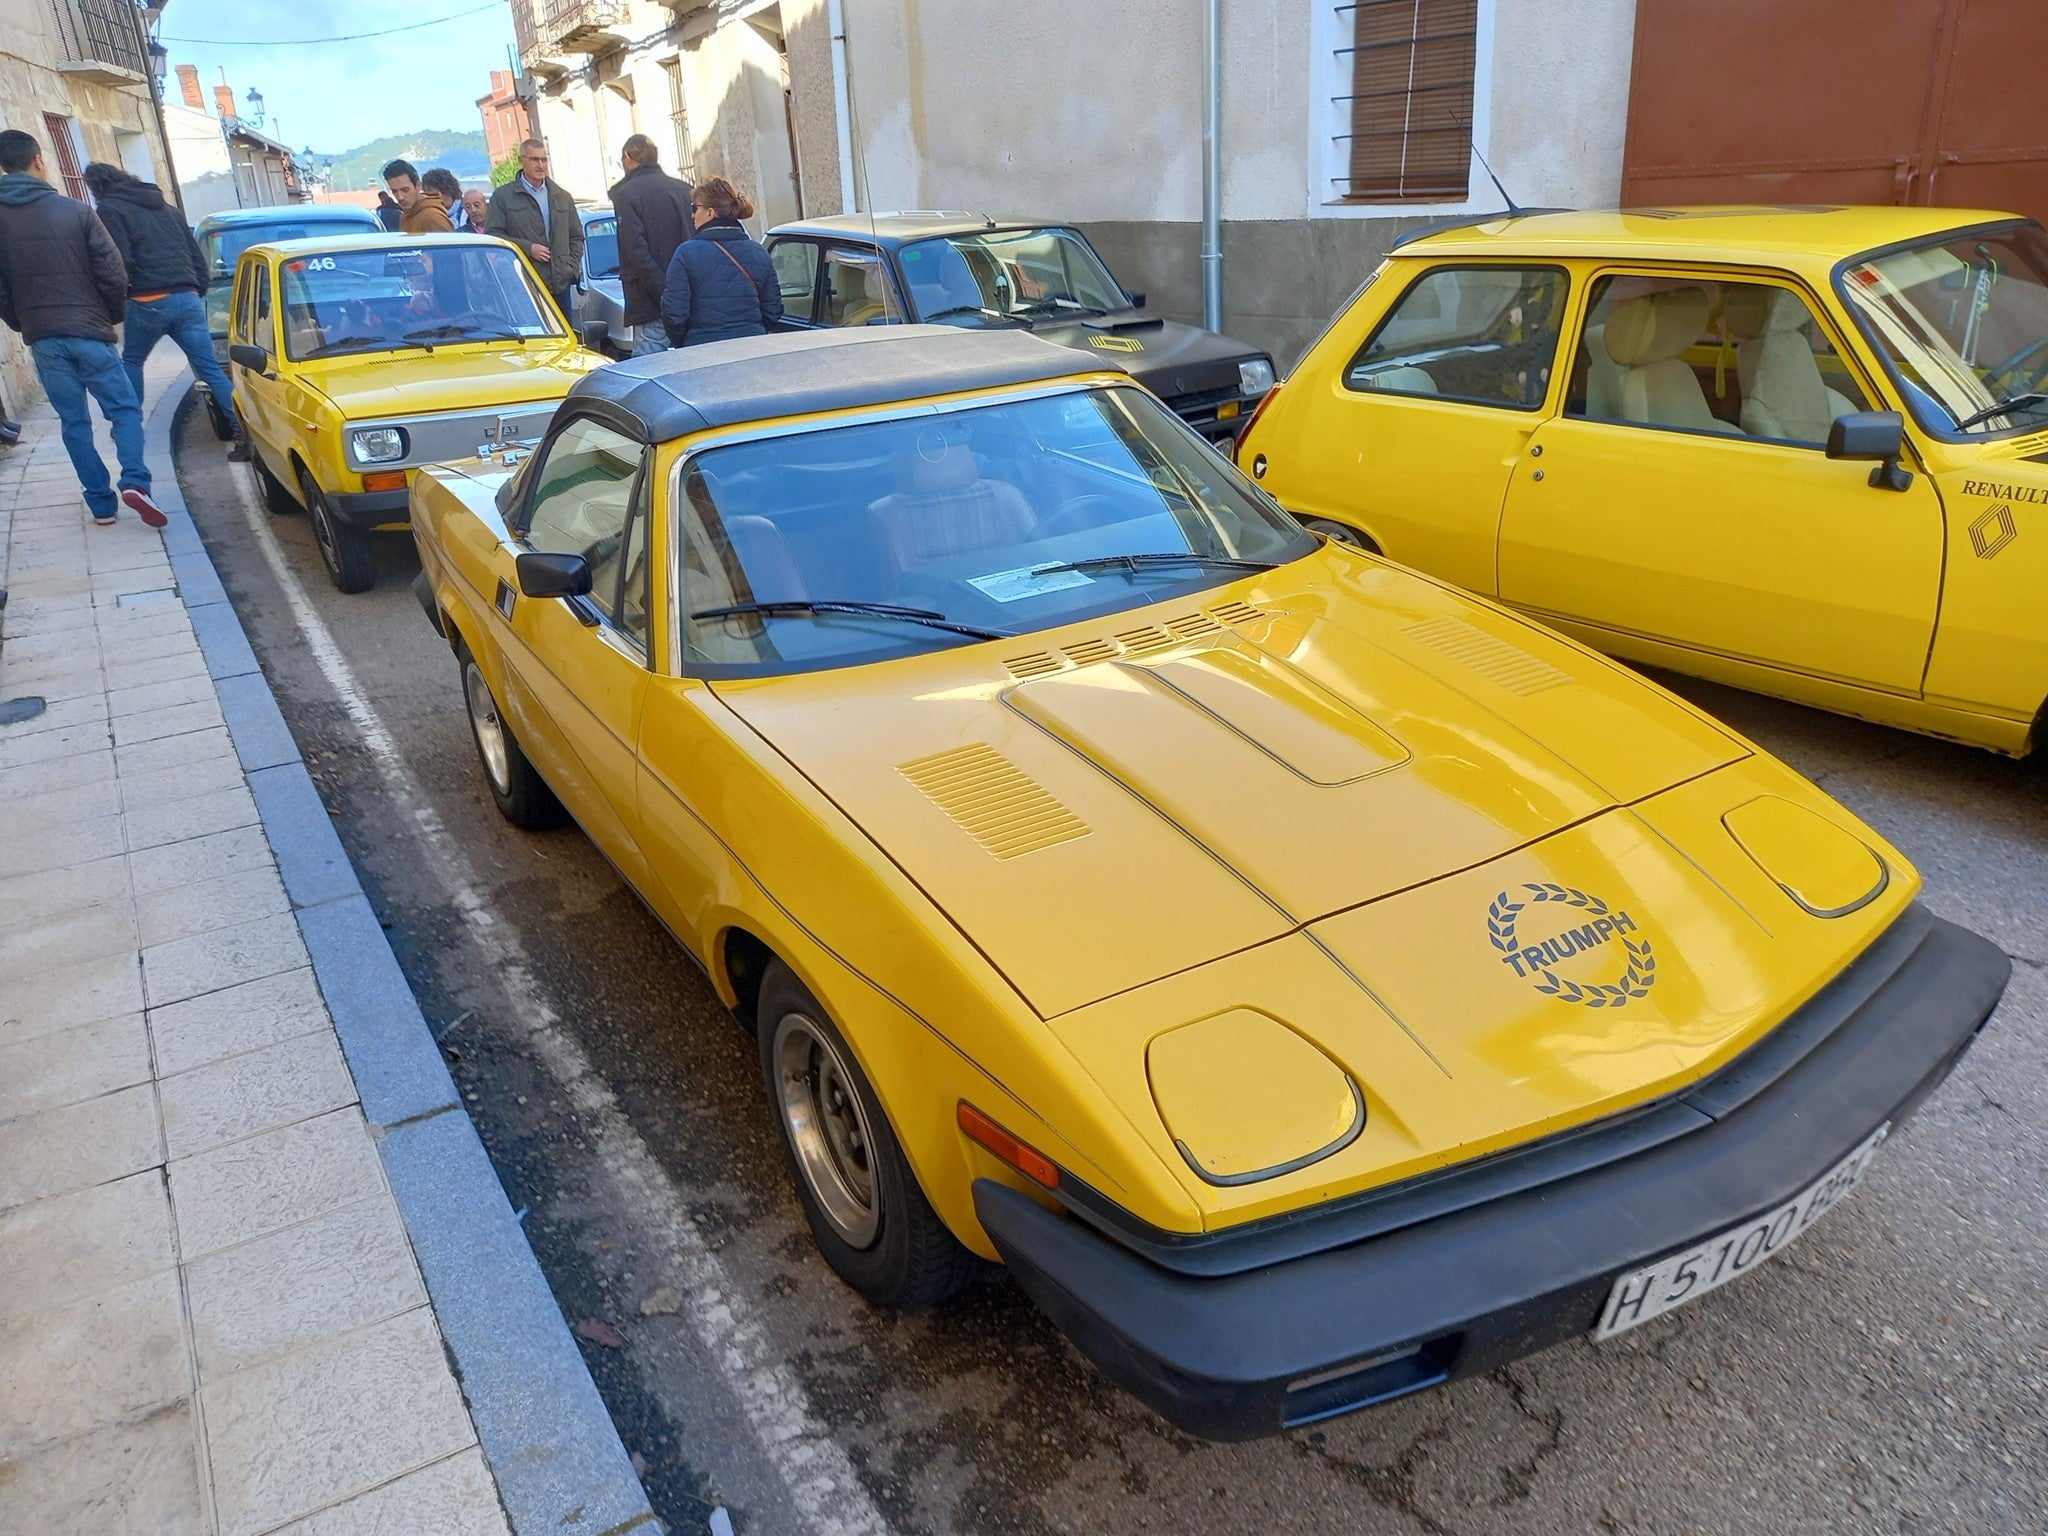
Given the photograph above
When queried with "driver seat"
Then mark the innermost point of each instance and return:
(1648, 337)
(1783, 393)
(941, 507)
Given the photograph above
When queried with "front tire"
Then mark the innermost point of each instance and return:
(217, 417)
(345, 551)
(867, 1214)
(276, 498)
(1342, 533)
(523, 796)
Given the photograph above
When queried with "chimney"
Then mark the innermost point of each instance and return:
(224, 100)
(188, 82)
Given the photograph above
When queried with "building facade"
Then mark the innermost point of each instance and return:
(222, 161)
(79, 75)
(503, 111)
(1342, 122)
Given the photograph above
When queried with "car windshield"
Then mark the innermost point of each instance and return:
(979, 279)
(601, 248)
(223, 247)
(1962, 322)
(376, 299)
(1001, 518)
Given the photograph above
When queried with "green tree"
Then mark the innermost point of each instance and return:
(504, 170)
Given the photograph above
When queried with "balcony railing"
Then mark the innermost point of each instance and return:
(580, 26)
(102, 40)
(526, 30)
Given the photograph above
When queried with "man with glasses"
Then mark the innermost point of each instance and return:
(538, 215)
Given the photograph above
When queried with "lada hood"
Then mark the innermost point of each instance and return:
(1121, 800)
(450, 378)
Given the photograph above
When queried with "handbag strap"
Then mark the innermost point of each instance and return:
(728, 255)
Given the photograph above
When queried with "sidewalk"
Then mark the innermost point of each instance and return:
(212, 1318)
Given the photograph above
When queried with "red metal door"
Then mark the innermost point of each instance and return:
(1841, 101)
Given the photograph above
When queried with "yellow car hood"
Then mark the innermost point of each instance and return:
(1108, 804)
(450, 378)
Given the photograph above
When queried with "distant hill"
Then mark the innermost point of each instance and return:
(462, 153)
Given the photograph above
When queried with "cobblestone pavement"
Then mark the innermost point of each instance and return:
(211, 1320)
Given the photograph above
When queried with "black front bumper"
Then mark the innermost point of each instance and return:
(372, 509)
(1243, 1334)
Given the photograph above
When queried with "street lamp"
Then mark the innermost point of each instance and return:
(255, 100)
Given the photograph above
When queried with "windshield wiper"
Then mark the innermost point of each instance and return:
(2031, 397)
(365, 341)
(463, 332)
(968, 309)
(1132, 564)
(926, 616)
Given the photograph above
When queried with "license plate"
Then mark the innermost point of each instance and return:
(1642, 1294)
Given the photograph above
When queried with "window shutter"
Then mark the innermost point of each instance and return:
(1412, 64)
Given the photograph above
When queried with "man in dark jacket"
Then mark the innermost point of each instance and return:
(167, 280)
(62, 286)
(653, 209)
(539, 216)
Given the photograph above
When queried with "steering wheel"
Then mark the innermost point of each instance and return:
(2001, 381)
(1076, 516)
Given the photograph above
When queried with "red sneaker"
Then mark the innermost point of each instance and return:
(139, 503)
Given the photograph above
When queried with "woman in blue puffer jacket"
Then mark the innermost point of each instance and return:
(721, 284)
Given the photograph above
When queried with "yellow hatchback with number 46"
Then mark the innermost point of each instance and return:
(358, 358)
(1314, 983)
(1799, 450)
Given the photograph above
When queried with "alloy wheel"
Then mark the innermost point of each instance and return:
(490, 730)
(828, 1128)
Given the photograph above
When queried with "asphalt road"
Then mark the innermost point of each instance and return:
(1890, 1373)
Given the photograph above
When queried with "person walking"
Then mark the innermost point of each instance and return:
(420, 212)
(167, 279)
(388, 212)
(721, 285)
(62, 286)
(539, 216)
(655, 216)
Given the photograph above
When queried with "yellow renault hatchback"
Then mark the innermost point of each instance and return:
(1800, 450)
(358, 358)
(1312, 982)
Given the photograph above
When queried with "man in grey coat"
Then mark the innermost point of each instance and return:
(539, 216)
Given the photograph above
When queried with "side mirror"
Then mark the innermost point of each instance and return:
(593, 334)
(546, 574)
(1136, 296)
(1879, 435)
(255, 359)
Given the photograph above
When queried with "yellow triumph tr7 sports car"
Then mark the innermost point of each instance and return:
(1313, 982)
(358, 358)
(1799, 450)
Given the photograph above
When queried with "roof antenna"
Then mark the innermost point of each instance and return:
(1473, 144)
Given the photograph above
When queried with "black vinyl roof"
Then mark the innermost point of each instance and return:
(728, 383)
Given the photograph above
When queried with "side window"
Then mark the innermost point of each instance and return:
(857, 290)
(636, 568)
(796, 274)
(245, 299)
(260, 331)
(1703, 355)
(1481, 335)
(582, 493)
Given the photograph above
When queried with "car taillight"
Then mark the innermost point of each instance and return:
(1027, 1160)
(1252, 421)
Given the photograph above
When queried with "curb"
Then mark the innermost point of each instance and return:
(550, 1443)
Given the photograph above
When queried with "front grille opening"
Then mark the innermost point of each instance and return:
(1378, 1380)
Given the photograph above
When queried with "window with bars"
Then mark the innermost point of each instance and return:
(679, 116)
(69, 153)
(1410, 66)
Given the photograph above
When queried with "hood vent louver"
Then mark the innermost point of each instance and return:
(1500, 663)
(993, 801)
(1142, 641)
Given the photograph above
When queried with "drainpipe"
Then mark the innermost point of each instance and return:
(1212, 167)
(842, 103)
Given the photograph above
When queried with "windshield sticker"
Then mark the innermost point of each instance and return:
(1539, 961)
(1025, 581)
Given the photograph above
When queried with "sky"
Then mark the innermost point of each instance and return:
(335, 96)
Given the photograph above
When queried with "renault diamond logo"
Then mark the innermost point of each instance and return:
(1117, 343)
(1993, 531)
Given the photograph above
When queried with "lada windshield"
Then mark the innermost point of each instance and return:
(855, 543)
(601, 247)
(382, 298)
(1022, 273)
(1961, 321)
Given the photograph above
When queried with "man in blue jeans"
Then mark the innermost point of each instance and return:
(167, 280)
(62, 286)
